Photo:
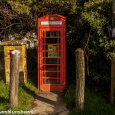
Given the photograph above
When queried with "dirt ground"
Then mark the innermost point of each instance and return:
(49, 103)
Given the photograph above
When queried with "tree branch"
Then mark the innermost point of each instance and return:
(88, 39)
(8, 27)
(87, 57)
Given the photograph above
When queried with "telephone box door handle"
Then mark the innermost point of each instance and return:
(40, 57)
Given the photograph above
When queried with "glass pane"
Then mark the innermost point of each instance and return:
(58, 68)
(59, 40)
(58, 74)
(59, 33)
(58, 81)
(47, 33)
(51, 40)
(51, 47)
(51, 81)
(51, 54)
(51, 61)
(51, 74)
(43, 81)
(51, 33)
(44, 47)
(50, 67)
(58, 61)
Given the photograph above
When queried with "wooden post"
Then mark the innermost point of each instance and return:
(80, 79)
(113, 61)
(14, 78)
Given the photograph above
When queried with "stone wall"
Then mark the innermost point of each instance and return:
(31, 37)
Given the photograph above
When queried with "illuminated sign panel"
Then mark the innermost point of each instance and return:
(52, 49)
(51, 22)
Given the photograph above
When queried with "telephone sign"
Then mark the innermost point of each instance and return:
(51, 22)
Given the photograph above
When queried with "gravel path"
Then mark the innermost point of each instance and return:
(49, 103)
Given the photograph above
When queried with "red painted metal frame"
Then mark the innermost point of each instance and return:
(62, 29)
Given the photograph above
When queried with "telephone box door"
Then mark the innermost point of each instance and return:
(51, 59)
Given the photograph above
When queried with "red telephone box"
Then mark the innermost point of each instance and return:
(52, 53)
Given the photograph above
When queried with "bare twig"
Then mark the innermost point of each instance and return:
(104, 24)
(88, 39)
(9, 26)
(87, 57)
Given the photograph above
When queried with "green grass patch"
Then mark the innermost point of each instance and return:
(25, 95)
(93, 104)
(1, 50)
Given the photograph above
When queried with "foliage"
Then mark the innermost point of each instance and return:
(19, 6)
(21, 16)
(91, 34)
(1, 54)
(24, 7)
(93, 103)
(2, 58)
(75, 38)
(32, 65)
(98, 44)
(98, 14)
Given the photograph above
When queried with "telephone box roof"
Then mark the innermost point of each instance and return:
(52, 15)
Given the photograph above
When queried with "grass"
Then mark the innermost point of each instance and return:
(25, 95)
(93, 103)
(1, 50)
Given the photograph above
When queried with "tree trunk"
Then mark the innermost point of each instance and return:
(80, 79)
(14, 78)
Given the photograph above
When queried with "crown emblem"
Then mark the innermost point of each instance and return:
(51, 18)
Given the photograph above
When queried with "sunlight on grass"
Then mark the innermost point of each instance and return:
(25, 95)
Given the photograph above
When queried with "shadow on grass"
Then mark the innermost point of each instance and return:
(3, 100)
(2, 75)
(27, 90)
